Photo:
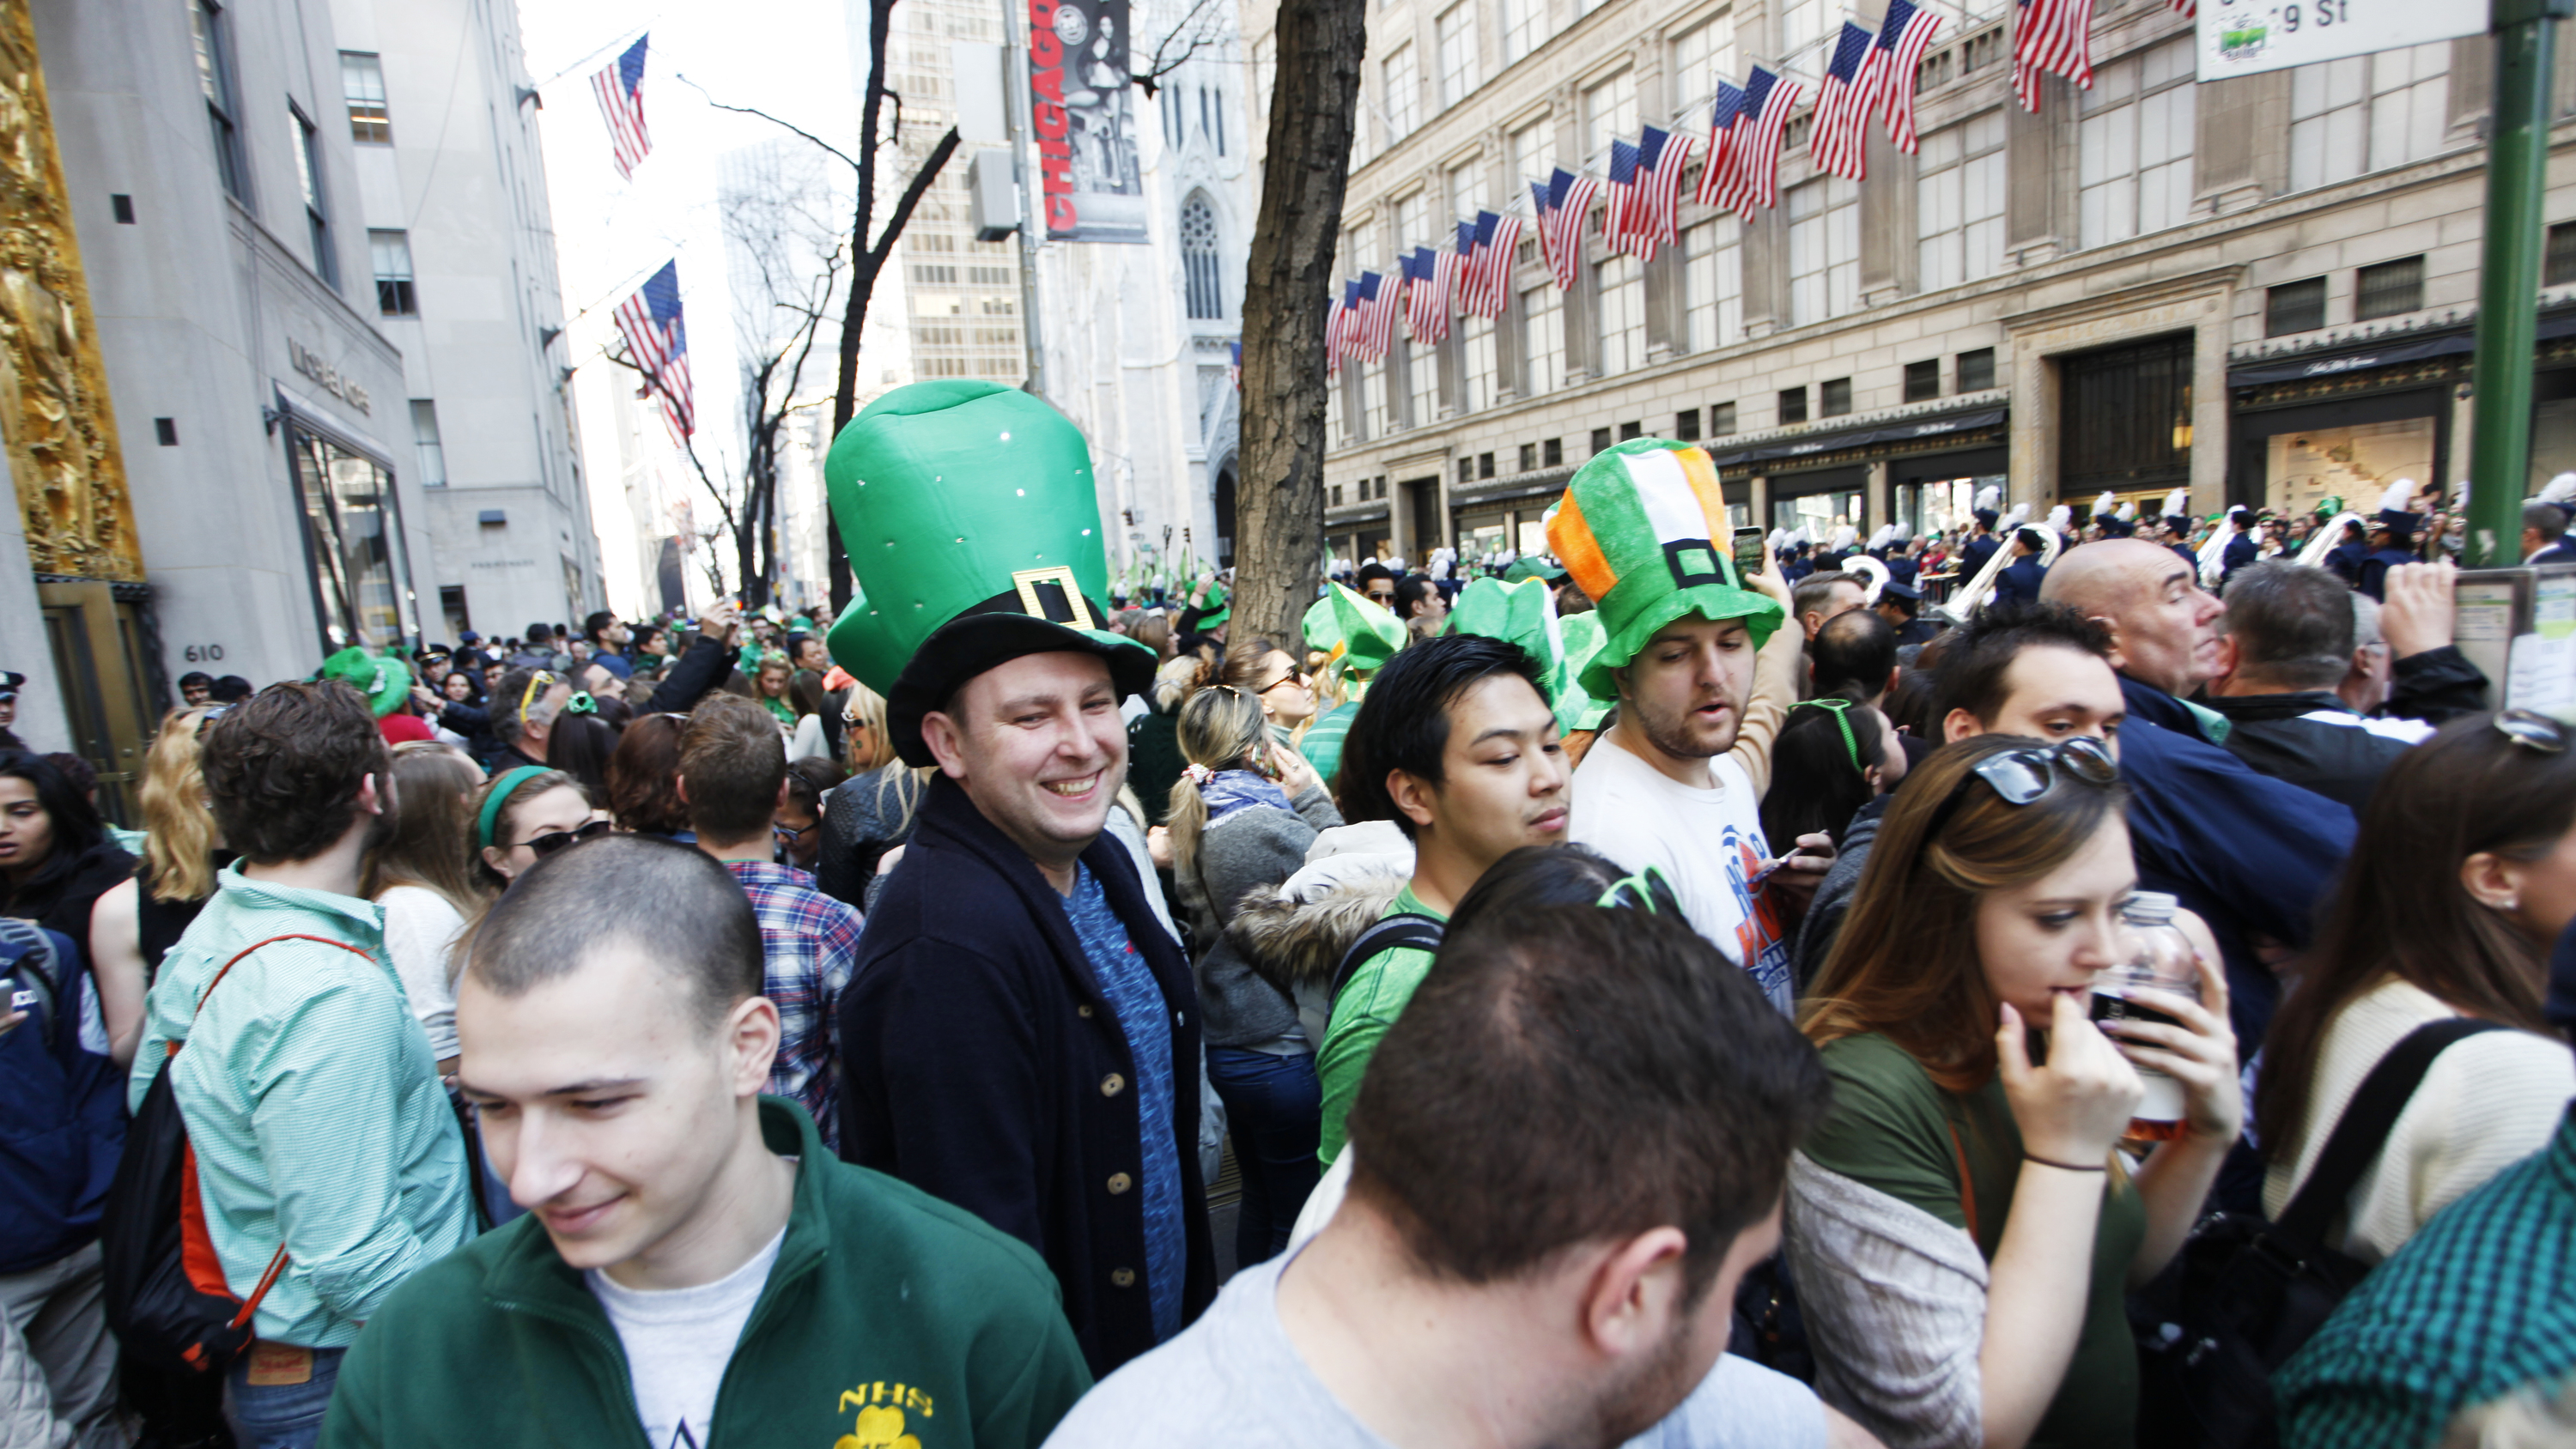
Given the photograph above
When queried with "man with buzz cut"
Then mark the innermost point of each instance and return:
(1021, 1032)
(695, 1269)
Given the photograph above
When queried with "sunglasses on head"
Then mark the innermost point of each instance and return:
(547, 844)
(2532, 730)
(2022, 776)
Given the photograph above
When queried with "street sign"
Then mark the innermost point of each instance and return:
(2243, 37)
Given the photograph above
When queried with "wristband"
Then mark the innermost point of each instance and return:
(2065, 1166)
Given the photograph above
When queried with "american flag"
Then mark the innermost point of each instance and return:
(1486, 280)
(1373, 322)
(621, 105)
(1561, 203)
(1337, 327)
(1717, 177)
(1838, 140)
(1898, 58)
(1645, 207)
(1234, 369)
(2055, 36)
(1427, 278)
(1768, 100)
(658, 343)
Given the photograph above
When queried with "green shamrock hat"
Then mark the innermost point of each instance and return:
(1220, 608)
(1578, 708)
(1358, 633)
(969, 514)
(1534, 566)
(1642, 531)
(384, 680)
(1520, 613)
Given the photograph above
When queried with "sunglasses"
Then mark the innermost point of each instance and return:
(1649, 890)
(552, 841)
(2022, 776)
(2532, 730)
(790, 834)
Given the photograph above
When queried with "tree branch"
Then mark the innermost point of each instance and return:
(1158, 67)
(921, 180)
(764, 115)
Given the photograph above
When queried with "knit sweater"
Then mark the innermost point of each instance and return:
(1259, 846)
(2488, 1102)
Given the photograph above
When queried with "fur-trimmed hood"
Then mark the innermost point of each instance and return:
(1293, 934)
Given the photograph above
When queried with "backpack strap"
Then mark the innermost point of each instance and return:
(2363, 1129)
(1405, 929)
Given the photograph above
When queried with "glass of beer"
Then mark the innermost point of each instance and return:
(2161, 958)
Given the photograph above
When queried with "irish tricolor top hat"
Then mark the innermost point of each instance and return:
(973, 531)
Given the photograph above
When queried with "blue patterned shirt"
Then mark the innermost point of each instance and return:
(809, 943)
(1146, 1019)
(2482, 1301)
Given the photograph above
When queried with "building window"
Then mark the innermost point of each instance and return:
(2388, 288)
(1959, 203)
(353, 522)
(2558, 267)
(2125, 416)
(1524, 27)
(1801, 23)
(317, 220)
(1601, 440)
(425, 444)
(1977, 370)
(1623, 314)
(1526, 151)
(1700, 55)
(1686, 426)
(2133, 158)
(1721, 419)
(1475, 363)
(1484, 465)
(1609, 110)
(1466, 471)
(214, 43)
(1456, 31)
(1202, 281)
(1529, 457)
(1551, 453)
(1923, 380)
(1421, 384)
(2294, 307)
(362, 83)
(1824, 250)
(1172, 123)
(1712, 284)
(1542, 341)
(1631, 430)
(391, 251)
(1403, 94)
(2367, 113)
(1377, 408)
(1793, 405)
(1833, 397)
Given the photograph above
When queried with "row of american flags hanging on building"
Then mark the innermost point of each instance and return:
(1866, 75)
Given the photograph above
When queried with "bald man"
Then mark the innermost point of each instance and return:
(2251, 854)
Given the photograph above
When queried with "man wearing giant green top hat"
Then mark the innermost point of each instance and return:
(1704, 675)
(1020, 1035)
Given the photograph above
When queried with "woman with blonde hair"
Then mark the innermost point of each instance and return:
(769, 688)
(137, 921)
(1961, 1229)
(423, 876)
(1242, 815)
(871, 814)
(1272, 676)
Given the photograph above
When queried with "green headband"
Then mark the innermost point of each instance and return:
(1840, 709)
(510, 780)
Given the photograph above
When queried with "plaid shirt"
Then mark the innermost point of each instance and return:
(2481, 1302)
(811, 942)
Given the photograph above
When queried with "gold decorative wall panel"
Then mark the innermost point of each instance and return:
(54, 412)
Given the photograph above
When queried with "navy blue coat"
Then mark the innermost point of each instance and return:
(1974, 553)
(982, 1064)
(2346, 559)
(2019, 582)
(2250, 854)
(62, 1107)
(2561, 552)
(2241, 552)
(2373, 577)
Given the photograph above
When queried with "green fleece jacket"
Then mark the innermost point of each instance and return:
(890, 1319)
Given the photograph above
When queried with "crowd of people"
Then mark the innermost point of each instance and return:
(1616, 997)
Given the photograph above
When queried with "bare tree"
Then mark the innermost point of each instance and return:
(1287, 289)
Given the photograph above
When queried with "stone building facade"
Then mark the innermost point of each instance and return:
(2260, 289)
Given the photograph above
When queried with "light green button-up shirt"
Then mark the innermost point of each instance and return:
(313, 1105)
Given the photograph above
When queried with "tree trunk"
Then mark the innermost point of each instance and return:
(1279, 497)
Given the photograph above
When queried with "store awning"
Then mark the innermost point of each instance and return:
(2382, 352)
(1901, 431)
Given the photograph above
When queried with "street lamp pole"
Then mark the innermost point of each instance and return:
(2509, 281)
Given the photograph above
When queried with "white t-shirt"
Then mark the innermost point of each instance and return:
(420, 931)
(1235, 1378)
(1709, 841)
(678, 1341)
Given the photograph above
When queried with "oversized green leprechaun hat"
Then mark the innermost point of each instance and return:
(863, 637)
(1534, 566)
(970, 518)
(384, 680)
(1355, 633)
(1642, 530)
(1524, 613)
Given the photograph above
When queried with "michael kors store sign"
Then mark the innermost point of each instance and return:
(328, 377)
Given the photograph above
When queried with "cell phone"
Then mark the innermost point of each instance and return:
(20, 998)
(1748, 552)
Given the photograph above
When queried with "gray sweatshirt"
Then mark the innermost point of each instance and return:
(1261, 846)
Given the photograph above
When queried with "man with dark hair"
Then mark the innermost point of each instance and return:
(1981, 544)
(608, 637)
(1021, 1036)
(1901, 604)
(2290, 643)
(1457, 744)
(2248, 854)
(326, 1151)
(1827, 595)
(2544, 534)
(804, 651)
(196, 687)
(1377, 585)
(2242, 550)
(694, 1266)
(1566, 1282)
(1419, 598)
(733, 778)
(2021, 580)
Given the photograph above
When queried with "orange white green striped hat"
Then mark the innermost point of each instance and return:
(1642, 530)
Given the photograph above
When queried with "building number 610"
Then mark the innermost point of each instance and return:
(2327, 12)
(204, 653)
